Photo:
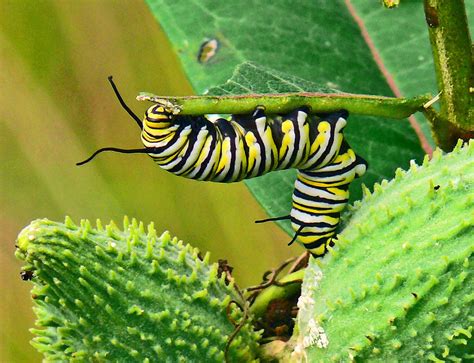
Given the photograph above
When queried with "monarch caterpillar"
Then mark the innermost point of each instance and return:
(246, 146)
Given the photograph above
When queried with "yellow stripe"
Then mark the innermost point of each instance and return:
(286, 127)
(166, 161)
(224, 158)
(215, 160)
(307, 145)
(285, 143)
(156, 116)
(167, 138)
(310, 239)
(270, 142)
(157, 133)
(322, 185)
(243, 158)
(318, 251)
(323, 127)
(157, 125)
(204, 152)
(309, 209)
(250, 140)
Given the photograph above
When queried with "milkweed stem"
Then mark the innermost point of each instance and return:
(390, 107)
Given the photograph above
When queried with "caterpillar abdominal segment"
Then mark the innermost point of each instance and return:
(247, 146)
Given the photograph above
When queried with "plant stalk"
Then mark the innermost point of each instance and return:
(273, 292)
(453, 59)
(397, 108)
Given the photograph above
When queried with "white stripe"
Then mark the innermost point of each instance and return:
(335, 207)
(196, 148)
(210, 165)
(317, 192)
(308, 218)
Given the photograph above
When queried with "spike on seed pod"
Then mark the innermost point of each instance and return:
(110, 290)
(181, 256)
(366, 192)
(146, 293)
(99, 226)
(165, 239)
(126, 223)
(377, 188)
(134, 224)
(436, 156)
(69, 223)
(399, 174)
(154, 267)
(111, 229)
(151, 230)
(98, 300)
(459, 145)
(413, 166)
(141, 228)
(129, 286)
(426, 160)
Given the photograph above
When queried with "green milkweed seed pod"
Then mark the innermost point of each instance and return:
(399, 285)
(110, 295)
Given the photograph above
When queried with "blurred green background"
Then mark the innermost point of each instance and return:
(56, 107)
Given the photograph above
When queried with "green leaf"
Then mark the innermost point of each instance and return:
(318, 43)
(401, 40)
(110, 295)
(399, 285)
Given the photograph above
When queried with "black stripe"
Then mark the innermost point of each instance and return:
(233, 157)
(318, 234)
(249, 125)
(317, 243)
(275, 127)
(243, 171)
(191, 140)
(334, 116)
(302, 195)
(332, 121)
(335, 215)
(204, 164)
(315, 224)
(261, 167)
(341, 187)
(330, 173)
(246, 121)
(293, 117)
(174, 139)
(225, 129)
(317, 210)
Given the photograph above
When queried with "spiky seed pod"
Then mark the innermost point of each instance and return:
(111, 295)
(400, 284)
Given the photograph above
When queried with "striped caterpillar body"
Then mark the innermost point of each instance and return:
(246, 146)
(243, 147)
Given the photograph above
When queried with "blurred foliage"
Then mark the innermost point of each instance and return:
(56, 107)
